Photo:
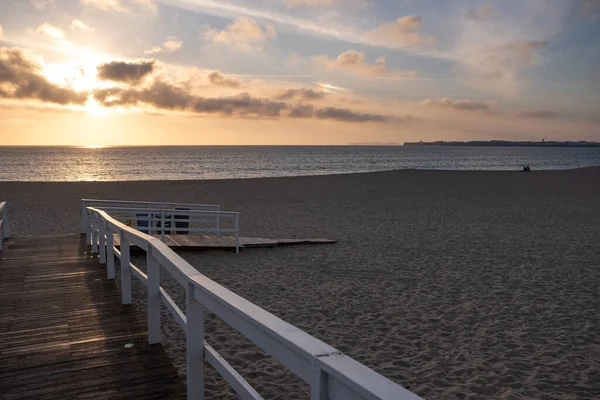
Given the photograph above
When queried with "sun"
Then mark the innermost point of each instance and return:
(93, 146)
(95, 109)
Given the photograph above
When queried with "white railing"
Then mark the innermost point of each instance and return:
(330, 374)
(85, 203)
(166, 221)
(4, 230)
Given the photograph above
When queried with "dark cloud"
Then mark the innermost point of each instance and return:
(218, 79)
(465, 105)
(166, 96)
(163, 95)
(242, 104)
(531, 113)
(127, 72)
(346, 115)
(303, 93)
(302, 111)
(21, 78)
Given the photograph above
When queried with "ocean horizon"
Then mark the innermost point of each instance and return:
(135, 163)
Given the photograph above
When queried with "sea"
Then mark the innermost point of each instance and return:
(73, 164)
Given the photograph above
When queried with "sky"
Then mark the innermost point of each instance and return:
(299, 72)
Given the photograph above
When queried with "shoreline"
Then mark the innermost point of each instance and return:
(472, 171)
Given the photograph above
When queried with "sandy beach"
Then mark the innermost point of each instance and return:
(460, 285)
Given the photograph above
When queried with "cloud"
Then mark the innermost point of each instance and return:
(465, 105)
(244, 33)
(78, 25)
(21, 78)
(590, 7)
(106, 5)
(311, 3)
(401, 33)
(166, 96)
(535, 113)
(302, 111)
(218, 79)
(170, 45)
(1, 31)
(482, 13)
(122, 6)
(346, 115)
(163, 95)
(126, 72)
(354, 62)
(497, 67)
(41, 4)
(53, 32)
(303, 93)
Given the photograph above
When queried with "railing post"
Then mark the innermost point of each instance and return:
(84, 218)
(318, 386)
(94, 233)
(88, 235)
(125, 270)
(110, 253)
(218, 224)
(153, 268)
(162, 225)
(237, 233)
(6, 230)
(102, 239)
(195, 346)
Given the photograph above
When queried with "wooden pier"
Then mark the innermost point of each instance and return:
(64, 333)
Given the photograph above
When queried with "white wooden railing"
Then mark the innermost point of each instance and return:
(4, 230)
(85, 203)
(165, 221)
(163, 218)
(330, 374)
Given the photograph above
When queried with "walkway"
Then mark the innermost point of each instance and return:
(63, 329)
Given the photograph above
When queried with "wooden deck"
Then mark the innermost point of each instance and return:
(198, 242)
(63, 329)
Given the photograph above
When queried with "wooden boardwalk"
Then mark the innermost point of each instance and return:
(197, 241)
(63, 329)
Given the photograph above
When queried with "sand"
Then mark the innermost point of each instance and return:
(454, 284)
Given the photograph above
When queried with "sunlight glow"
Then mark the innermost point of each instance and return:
(95, 109)
(93, 146)
(331, 88)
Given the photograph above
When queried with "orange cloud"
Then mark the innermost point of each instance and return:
(400, 33)
(354, 62)
(244, 33)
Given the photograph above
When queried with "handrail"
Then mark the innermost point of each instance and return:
(167, 220)
(4, 227)
(331, 374)
(138, 204)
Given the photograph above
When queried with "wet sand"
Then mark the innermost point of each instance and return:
(454, 284)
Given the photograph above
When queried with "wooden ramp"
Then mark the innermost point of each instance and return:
(199, 242)
(63, 329)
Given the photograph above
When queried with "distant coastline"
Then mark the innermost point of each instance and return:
(506, 143)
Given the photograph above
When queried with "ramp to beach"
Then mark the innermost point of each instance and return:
(64, 332)
(68, 332)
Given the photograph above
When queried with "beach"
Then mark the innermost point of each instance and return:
(453, 284)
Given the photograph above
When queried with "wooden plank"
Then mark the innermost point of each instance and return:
(63, 329)
(198, 241)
